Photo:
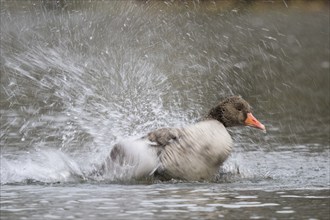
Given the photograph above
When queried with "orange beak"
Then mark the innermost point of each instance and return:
(253, 122)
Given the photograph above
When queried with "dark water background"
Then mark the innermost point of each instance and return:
(76, 77)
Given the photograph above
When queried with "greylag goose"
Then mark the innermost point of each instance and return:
(191, 153)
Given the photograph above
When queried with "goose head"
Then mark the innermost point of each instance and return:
(235, 111)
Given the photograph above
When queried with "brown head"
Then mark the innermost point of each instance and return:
(235, 111)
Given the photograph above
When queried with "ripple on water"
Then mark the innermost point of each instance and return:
(238, 205)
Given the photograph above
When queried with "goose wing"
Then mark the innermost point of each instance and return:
(163, 136)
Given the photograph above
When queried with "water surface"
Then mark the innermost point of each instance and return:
(76, 77)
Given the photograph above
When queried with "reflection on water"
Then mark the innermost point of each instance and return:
(76, 77)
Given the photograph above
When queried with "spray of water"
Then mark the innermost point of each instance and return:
(75, 80)
(66, 103)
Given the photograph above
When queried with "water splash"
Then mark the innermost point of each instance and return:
(77, 80)
(46, 166)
